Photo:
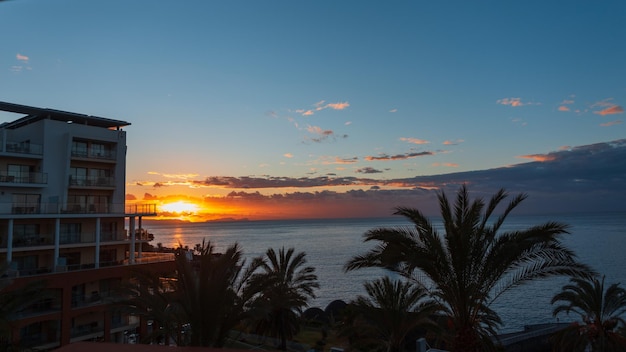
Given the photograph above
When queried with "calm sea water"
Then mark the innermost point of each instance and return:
(599, 240)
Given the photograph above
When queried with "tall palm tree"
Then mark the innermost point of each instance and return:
(393, 309)
(206, 296)
(472, 263)
(285, 286)
(600, 311)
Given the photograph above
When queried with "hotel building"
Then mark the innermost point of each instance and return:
(63, 220)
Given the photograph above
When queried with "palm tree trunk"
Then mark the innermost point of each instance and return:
(466, 340)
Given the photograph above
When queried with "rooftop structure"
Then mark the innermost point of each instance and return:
(63, 219)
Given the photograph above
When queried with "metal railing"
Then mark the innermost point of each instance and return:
(24, 148)
(93, 154)
(92, 181)
(24, 177)
(77, 208)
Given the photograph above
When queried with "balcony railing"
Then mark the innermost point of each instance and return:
(146, 258)
(92, 181)
(93, 154)
(25, 177)
(77, 208)
(24, 148)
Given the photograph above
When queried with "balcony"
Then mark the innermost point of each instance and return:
(92, 182)
(34, 208)
(33, 240)
(93, 154)
(38, 178)
(24, 148)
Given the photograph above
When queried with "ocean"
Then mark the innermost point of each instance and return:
(598, 240)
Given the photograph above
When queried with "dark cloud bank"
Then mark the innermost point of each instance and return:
(581, 179)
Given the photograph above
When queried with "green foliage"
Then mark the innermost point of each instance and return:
(600, 312)
(284, 285)
(390, 311)
(201, 303)
(472, 263)
(13, 300)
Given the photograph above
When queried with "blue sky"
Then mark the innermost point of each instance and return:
(288, 90)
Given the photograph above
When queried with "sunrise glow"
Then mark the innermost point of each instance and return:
(180, 207)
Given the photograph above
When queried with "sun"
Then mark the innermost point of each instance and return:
(180, 207)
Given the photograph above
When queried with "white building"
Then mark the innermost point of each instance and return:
(63, 219)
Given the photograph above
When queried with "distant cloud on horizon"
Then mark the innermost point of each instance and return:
(584, 178)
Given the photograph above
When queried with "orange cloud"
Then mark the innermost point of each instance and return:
(453, 142)
(613, 109)
(538, 157)
(446, 164)
(414, 140)
(338, 106)
(288, 155)
(514, 102)
(563, 108)
(611, 123)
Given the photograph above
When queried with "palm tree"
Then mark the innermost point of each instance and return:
(392, 310)
(600, 311)
(14, 299)
(285, 286)
(152, 297)
(206, 297)
(472, 263)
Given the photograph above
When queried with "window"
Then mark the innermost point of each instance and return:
(78, 176)
(108, 231)
(79, 148)
(26, 203)
(98, 150)
(70, 233)
(27, 262)
(19, 173)
(25, 234)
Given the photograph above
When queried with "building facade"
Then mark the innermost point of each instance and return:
(64, 221)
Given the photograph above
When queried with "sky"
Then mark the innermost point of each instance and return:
(309, 109)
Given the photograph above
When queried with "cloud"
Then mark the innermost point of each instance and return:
(538, 157)
(288, 155)
(614, 109)
(458, 141)
(611, 123)
(514, 102)
(322, 105)
(322, 134)
(385, 157)
(583, 178)
(414, 140)
(368, 170)
(338, 106)
(130, 197)
(346, 160)
(21, 57)
(563, 108)
(393, 110)
(446, 164)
